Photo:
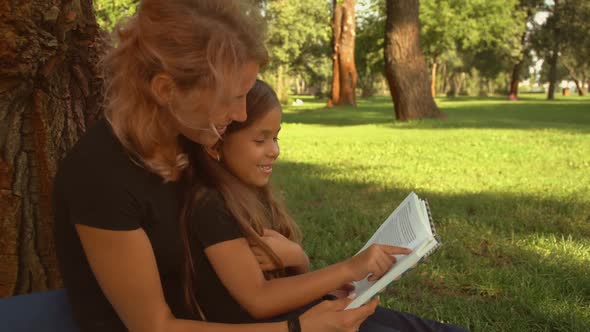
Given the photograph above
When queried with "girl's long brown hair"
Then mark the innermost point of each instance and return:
(253, 208)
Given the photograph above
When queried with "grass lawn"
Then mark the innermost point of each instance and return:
(509, 187)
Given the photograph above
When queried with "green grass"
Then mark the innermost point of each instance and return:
(509, 186)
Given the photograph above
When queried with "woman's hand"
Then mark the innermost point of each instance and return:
(375, 260)
(330, 316)
(290, 253)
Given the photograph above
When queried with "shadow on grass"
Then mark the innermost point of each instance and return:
(489, 274)
(464, 112)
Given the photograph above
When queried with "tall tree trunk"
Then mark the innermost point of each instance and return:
(433, 79)
(554, 55)
(405, 67)
(344, 69)
(49, 92)
(579, 87)
(515, 79)
(444, 78)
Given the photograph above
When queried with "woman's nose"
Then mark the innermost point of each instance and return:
(239, 113)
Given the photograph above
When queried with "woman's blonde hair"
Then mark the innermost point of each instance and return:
(198, 43)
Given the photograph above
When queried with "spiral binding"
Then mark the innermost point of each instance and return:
(436, 237)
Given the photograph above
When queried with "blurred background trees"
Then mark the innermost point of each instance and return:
(471, 47)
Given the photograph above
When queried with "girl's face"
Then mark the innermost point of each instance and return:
(250, 152)
(197, 109)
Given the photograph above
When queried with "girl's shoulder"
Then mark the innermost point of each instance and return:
(211, 221)
(209, 199)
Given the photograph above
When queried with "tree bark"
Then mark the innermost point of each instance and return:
(405, 66)
(49, 92)
(343, 66)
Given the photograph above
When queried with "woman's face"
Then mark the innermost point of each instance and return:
(249, 153)
(197, 109)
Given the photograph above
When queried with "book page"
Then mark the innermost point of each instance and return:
(407, 226)
(404, 227)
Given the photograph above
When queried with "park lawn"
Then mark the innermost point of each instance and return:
(509, 186)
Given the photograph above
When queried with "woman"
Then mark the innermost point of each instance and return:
(180, 68)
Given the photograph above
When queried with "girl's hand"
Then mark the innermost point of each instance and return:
(330, 316)
(343, 291)
(375, 260)
(290, 253)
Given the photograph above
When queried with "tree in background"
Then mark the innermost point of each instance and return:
(530, 7)
(297, 31)
(405, 66)
(562, 43)
(440, 33)
(575, 51)
(49, 93)
(369, 46)
(343, 38)
(553, 24)
(455, 31)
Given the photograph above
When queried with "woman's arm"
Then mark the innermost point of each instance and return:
(125, 267)
(239, 271)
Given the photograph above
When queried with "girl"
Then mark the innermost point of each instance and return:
(180, 70)
(231, 208)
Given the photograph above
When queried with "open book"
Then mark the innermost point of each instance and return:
(410, 225)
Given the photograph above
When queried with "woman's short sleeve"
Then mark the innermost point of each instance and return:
(92, 188)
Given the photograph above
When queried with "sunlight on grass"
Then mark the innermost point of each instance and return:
(509, 185)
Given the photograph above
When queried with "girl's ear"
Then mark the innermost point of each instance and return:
(213, 151)
(162, 87)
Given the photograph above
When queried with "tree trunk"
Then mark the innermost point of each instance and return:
(554, 55)
(580, 87)
(405, 67)
(344, 69)
(444, 78)
(513, 94)
(572, 72)
(49, 92)
(433, 79)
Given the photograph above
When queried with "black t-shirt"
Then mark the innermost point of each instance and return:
(212, 223)
(100, 186)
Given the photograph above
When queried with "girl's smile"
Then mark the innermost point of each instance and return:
(249, 153)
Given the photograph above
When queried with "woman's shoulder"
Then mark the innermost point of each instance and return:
(98, 147)
(98, 165)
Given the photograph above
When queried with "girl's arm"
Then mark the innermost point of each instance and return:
(238, 269)
(291, 253)
(125, 267)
